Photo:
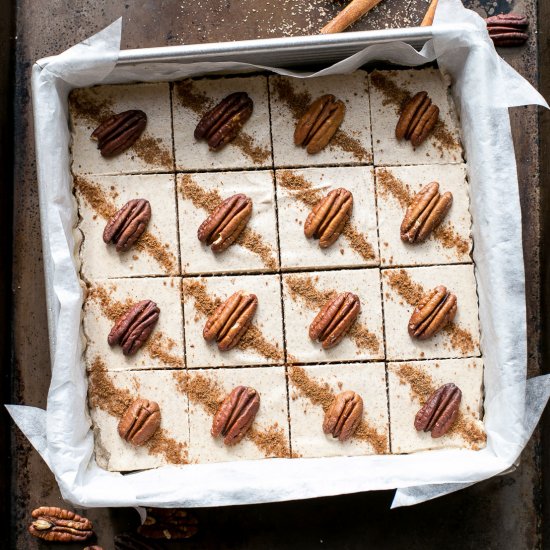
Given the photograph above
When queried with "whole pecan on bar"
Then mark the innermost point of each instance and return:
(57, 525)
(221, 124)
(335, 319)
(236, 414)
(418, 118)
(131, 330)
(128, 224)
(507, 29)
(168, 523)
(222, 228)
(425, 213)
(119, 132)
(230, 320)
(434, 312)
(319, 123)
(139, 422)
(329, 216)
(343, 415)
(440, 411)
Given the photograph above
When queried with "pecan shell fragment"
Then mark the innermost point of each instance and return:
(329, 216)
(131, 331)
(335, 319)
(418, 118)
(434, 312)
(319, 123)
(128, 224)
(119, 132)
(231, 320)
(507, 29)
(343, 415)
(140, 422)
(221, 124)
(236, 414)
(223, 227)
(425, 213)
(440, 411)
(57, 525)
(168, 523)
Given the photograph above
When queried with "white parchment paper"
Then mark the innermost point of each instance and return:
(484, 86)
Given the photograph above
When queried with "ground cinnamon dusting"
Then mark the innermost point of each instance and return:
(173, 451)
(204, 303)
(449, 238)
(271, 441)
(350, 145)
(256, 153)
(297, 102)
(156, 347)
(402, 283)
(252, 241)
(151, 151)
(201, 390)
(358, 242)
(305, 289)
(364, 338)
(460, 339)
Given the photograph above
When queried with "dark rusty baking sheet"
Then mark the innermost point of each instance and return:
(505, 512)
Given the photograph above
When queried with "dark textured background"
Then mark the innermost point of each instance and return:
(505, 513)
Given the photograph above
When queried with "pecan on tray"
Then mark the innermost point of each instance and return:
(433, 313)
(128, 224)
(335, 319)
(343, 415)
(119, 132)
(236, 414)
(418, 118)
(222, 228)
(425, 213)
(221, 124)
(140, 422)
(231, 320)
(507, 29)
(168, 523)
(440, 411)
(57, 525)
(329, 216)
(131, 330)
(319, 123)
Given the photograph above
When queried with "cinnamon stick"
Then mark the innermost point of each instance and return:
(429, 17)
(351, 13)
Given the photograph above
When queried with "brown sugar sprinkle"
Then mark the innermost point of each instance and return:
(271, 441)
(156, 347)
(98, 201)
(303, 190)
(402, 283)
(208, 201)
(460, 339)
(350, 145)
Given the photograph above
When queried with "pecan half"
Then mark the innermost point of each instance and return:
(319, 123)
(222, 228)
(231, 320)
(433, 313)
(168, 523)
(507, 29)
(418, 118)
(335, 319)
(134, 327)
(236, 414)
(222, 123)
(119, 132)
(140, 422)
(425, 213)
(440, 411)
(128, 224)
(55, 524)
(328, 217)
(343, 415)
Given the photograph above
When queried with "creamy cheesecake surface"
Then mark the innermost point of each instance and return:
(221, 310)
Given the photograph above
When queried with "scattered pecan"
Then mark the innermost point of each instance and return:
(319, 123)
(57, 525)
(168, 523)
(131, 331)
(508, 29)
(222, 123)
(119, 132)
(328, 217)
(440, 411)
(236, 414)
(433, 313)
(230, 320)
(140, 421)
(343, 415)
(128, 224)
(418, 118)
(335, 319)
(222, 228)
(425, 213)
